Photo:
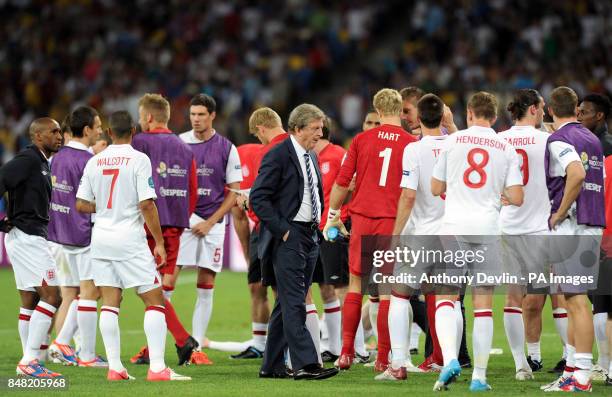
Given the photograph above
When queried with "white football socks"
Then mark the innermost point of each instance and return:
(399, 316)
(155, 328)
(260, 332)
(202, 313)
(312, 324)
(333, 321)
(482, 340)
(24, 326)
(109, 328)
(446, 329)
(515, 332)
(40, 321)
(87, 317)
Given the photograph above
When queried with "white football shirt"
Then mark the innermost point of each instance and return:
(117, 180)
(532, 216)
(418, 163)
(476, 165)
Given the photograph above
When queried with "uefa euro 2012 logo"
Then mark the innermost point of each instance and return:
(162, 170)
(585, 160)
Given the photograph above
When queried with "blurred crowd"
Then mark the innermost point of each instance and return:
(454, 48)
(107, 53)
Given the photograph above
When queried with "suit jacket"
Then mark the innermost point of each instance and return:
(277, 193)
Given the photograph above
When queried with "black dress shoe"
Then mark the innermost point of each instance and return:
(250, 352)
(558, 369)
(328, 357)
(184, 352)
(315, 373)
(274, 374)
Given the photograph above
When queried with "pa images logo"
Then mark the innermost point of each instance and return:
(162, 170)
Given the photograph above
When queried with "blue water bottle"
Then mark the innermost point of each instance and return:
(332, 233)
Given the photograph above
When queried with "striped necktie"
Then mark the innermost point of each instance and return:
(313, 198)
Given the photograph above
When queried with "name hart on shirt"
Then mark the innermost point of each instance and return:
(390, 136)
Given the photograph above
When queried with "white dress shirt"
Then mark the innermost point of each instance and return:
(305, 212)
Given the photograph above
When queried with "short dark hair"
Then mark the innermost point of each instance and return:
(600, 102)
(563, 102)
(521, 101)
(483, 105)
(65, 126)
(329, 128)
(121, 123)
(430, 110)
(204, 100)
(82, 117)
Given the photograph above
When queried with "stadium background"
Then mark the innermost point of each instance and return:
(56, 55)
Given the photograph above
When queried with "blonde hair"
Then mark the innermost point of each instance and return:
(264, 117)
(388, 102)
(157, 106)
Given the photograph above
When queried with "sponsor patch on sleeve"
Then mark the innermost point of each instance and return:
(406, 173)
(565, 151)
(151, 184)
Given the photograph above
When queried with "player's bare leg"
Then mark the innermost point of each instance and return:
(202, 313)
(68, 295)
(532, 317)
(580, 336)
(260, 313)
(169, 282)
(515, 331)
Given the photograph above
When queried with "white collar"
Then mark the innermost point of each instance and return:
(76, 145)
(564, 124)
(298, 148)
(196, 139)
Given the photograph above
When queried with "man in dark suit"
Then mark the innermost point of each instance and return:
(288, 199)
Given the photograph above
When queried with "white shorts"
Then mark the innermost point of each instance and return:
(138, 271)
(75, 266)
(205, 252)
(31, 259)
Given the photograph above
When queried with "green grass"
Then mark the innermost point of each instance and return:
(230, 321)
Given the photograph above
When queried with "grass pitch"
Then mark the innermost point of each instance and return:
(231, 321)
